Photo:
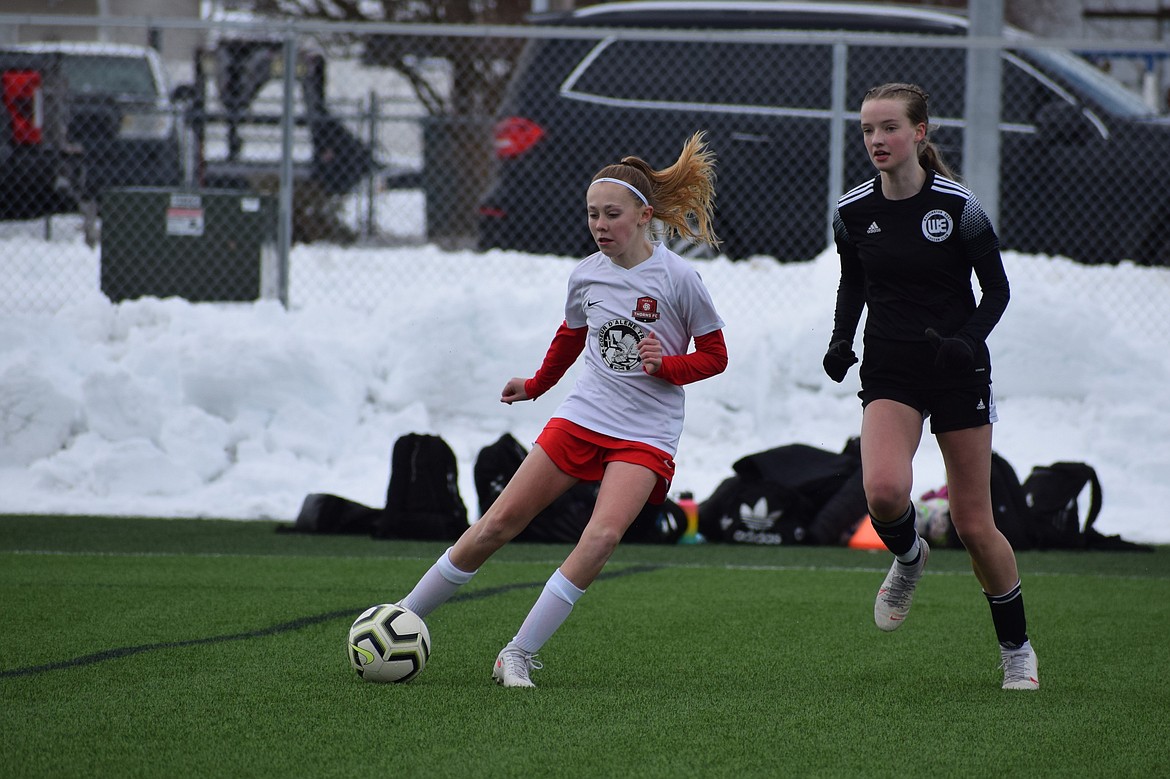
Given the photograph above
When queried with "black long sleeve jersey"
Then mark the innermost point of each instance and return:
(910, 261)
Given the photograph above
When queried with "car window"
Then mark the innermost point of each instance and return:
(797, 77)
(942, 73)
(99, 74)
(1026, 90)
(938, 71)
(1100, 87)
(711, 74)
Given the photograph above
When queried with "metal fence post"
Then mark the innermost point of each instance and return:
(287, 121)
(982, 109)
(374, 107)
(837, 132)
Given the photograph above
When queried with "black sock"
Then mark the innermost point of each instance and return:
(1007, 614)
(898, 536)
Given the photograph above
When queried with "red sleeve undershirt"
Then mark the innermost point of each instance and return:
(708, 359)
(566, 346)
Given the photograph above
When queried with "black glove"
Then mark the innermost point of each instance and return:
(954, 354)
(838, 359)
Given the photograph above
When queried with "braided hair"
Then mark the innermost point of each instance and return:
(916, 101)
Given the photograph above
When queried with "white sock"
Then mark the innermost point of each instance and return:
(550, 611)
(438, 584)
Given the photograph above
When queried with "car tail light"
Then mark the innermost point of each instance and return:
(22, 99)
(516, 135)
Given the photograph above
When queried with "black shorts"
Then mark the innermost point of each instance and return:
(906, 373)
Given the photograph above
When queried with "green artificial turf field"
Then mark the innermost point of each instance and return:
(139, 647)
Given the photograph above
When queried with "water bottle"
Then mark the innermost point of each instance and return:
(686, 502)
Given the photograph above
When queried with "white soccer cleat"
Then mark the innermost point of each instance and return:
(513, 666)
(1019, 668)
(894, 596)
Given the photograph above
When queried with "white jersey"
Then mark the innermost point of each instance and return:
(615, 396)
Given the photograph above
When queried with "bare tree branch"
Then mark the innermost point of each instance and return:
(480, 67)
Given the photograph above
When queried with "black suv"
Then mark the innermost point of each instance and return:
(1079, 152)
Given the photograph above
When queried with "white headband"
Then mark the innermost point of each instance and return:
(625, 184)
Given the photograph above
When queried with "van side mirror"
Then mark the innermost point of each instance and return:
(1064, 124)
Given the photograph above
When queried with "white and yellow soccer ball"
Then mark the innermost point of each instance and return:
(388, 643)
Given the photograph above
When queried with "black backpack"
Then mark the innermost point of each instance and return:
(422, 499)
(1051, 493)
(566, 517)
(793, 494)
(755, 511)
(1009, 505)
(333, 515)
(560, 522)
(494, 466)
(1043, 511)
(1009, 508)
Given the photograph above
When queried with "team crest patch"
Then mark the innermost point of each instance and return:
(646, 310)
(618, 339)
(937, 226)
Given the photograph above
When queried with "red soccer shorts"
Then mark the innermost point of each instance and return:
(584, 454)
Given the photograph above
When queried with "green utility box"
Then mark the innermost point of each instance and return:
(202, 245)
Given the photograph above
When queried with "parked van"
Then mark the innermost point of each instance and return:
(1084, 162)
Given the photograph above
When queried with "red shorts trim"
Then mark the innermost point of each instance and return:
(582, 453)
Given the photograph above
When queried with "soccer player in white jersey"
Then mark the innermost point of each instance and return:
(633, 307)
(909, 240)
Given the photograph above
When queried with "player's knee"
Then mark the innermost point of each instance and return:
(497, 527)
(601, 539)
(887, 499)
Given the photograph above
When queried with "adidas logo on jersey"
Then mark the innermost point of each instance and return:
(873, 228)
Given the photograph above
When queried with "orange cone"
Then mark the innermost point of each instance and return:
(865, 537)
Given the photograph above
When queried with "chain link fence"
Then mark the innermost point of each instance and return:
(230, 173)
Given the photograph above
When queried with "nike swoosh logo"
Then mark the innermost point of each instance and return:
(589, 303)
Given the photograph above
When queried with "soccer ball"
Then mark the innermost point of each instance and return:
(388, 643)
(932, 520)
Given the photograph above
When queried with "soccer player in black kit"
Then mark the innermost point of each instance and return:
(909, 240)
